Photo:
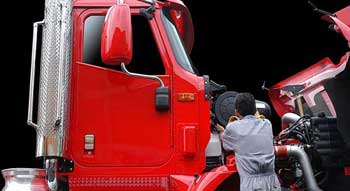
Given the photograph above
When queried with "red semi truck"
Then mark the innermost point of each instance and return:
(118, 111)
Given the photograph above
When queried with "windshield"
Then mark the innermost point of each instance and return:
(176, 43)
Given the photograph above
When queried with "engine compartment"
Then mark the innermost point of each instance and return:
(320, 134)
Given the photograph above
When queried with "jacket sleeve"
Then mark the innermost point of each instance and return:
(230, 138)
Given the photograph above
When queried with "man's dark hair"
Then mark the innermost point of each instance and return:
(245, 104)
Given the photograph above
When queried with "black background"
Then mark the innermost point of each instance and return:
(239, 44)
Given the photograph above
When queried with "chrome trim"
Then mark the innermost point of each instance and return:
(152, 77)
(60, 67)
(24, 179)
(289, 118)
(32, 74)
(55, 65)
(23, 171)
(51, 167)
(89, 142)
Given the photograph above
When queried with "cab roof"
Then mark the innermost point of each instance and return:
(108, 3)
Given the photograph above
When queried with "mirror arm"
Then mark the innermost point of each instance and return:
(263, 87)
(152, 77)
(314, 7)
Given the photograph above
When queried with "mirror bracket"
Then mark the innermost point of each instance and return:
(148, 12)
(162, 99)
(152, 77)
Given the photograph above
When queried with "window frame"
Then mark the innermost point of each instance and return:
(176, 43)
(79, 50)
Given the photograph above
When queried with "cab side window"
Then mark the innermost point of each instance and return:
(146, 58)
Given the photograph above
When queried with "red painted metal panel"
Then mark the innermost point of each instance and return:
(131, 139)
(189, 140)
(312, 78)
(120, 111)
(344, 15)
(106, 3)
(145, 183)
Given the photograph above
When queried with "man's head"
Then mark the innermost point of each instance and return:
(245, 104)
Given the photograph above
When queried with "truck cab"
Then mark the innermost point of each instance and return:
(120, 105)
(116, 126)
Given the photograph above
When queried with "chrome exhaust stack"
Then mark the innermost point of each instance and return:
(54, 78)
(53, 101)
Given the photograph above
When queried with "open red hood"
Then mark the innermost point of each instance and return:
(309, 85)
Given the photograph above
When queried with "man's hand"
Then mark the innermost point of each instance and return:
(233, 118)
(259, 116)
(219, 128)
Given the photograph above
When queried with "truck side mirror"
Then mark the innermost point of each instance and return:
(116, 37)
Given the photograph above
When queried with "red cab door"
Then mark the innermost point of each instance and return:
(116, 109)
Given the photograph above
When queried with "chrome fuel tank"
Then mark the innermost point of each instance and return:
(24, 179)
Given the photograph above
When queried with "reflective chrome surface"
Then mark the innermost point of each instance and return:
(152, 77)
(300, 154)
(51, 167)
(32, 74)
(24, 179)
(54, 78)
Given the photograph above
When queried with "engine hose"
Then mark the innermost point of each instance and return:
(288, 151)
(288, 118)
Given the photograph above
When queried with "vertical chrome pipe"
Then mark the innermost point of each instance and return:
(54, 79)
(51, 167)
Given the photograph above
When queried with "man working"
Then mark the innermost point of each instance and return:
(251, 139)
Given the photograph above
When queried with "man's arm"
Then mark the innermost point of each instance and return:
(229, 137)
(220, 128)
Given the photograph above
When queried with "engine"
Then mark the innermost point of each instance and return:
(320, 139)
(317, 137)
